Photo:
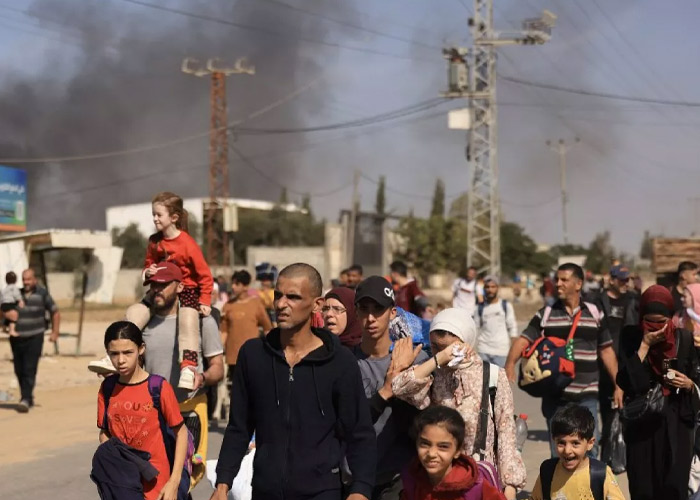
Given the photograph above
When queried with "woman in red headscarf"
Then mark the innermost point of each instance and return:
(659, 450)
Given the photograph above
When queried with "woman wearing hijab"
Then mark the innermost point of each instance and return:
(340, 319)
(453, 377)
(658, 352)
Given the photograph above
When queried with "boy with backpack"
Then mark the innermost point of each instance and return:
(573, 474)
(441, 470)
(495, 318)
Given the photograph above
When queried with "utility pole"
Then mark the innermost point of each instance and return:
(696, 211)
(561, 149)
(472, 75)
(350, 256)
(218, 150)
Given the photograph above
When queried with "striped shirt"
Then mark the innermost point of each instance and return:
(32, 317)
(591, 335)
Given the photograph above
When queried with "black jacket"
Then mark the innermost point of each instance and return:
(117, 470)
(302, 418)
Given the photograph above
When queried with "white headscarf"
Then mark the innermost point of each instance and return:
(458, 322)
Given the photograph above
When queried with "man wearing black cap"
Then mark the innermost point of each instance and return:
(392, 418)
(621, 310)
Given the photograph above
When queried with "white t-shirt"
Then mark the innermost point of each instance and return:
(464, 294)
(496, 328)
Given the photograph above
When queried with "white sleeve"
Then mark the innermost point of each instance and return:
(211, 338)
(511, 322)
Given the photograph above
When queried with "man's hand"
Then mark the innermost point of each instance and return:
(510, 493)
(220, 493)
(204, 309)
(357, 496)
(198, 380)
(618, 396)
(53, 337)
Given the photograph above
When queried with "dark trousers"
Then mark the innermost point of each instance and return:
(26, 352)
(606, 389)
(229, 382)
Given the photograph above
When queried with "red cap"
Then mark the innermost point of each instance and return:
(165, 273)
(523, 416)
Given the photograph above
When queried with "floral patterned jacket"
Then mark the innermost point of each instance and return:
(461, 389)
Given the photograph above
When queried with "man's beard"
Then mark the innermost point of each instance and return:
(167, 305)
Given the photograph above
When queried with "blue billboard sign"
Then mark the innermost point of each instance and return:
(13, 199)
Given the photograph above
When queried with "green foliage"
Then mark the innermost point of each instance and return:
(438, 206)
(134, 244)
(284, 198)
(275, 228)
(519, 252)
(380, 203)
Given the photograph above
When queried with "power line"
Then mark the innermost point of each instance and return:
(591, 93)
(351, 25)
(225, 22)
(250, 164)
(372, 120)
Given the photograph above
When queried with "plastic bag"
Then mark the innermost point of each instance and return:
(615, 454)
(242, 485)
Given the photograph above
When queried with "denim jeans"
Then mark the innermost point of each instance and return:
(551, 405)
(494, 358)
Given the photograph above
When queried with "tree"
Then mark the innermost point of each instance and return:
(284, 199)
(519, 252)
(438, 206)
(134, 244)
(380, 203)
(647, 249)
(459, 208)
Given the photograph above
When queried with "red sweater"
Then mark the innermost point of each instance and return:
(185, 253)
(453, 486)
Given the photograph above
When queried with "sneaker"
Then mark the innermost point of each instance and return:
(102, 366)
(186, 379)
(22, 406)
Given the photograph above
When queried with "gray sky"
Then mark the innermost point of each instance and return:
(633, 170)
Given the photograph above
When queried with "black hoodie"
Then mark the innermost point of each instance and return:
(303, 418)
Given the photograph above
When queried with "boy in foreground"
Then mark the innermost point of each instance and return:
(573, 475)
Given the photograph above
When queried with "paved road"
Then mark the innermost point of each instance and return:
(63, 474)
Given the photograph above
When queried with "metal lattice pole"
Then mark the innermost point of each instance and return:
(483, 227)
(472, 74)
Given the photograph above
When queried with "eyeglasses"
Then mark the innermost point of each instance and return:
(335, 309)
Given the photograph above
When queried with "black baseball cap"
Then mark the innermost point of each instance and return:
(376, 288)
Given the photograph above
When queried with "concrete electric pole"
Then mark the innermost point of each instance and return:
(218, 151)
(561, 149)
(472, 75)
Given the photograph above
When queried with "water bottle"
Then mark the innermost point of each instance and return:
(520, 431)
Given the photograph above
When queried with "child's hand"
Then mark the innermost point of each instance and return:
(169, 491)
(151, 270)
(204, 309)
(20, 304)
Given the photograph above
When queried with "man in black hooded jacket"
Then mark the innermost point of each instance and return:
(302, 395)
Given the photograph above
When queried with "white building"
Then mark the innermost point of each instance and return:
(140, 213)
